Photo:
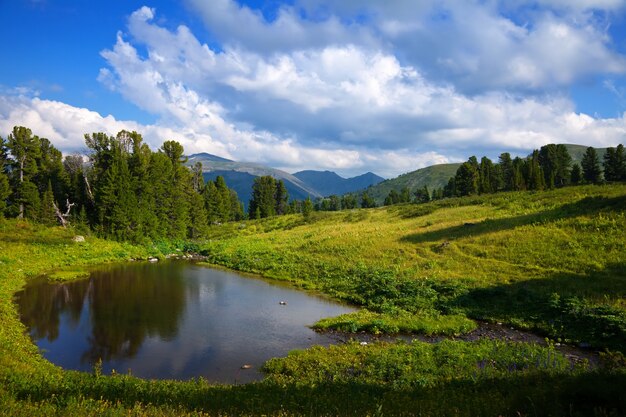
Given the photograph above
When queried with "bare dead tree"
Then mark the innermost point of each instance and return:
(88, 188)
(63, 216)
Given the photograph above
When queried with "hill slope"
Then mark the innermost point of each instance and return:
(329, 183)
(240, 176)
(552, 261)
(435, 176)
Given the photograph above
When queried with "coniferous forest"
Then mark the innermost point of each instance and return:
(121, 189)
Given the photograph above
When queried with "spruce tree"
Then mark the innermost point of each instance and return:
(518, 180)
(263, 197)
(576, 174)
(367, 201)
(535, 178)
(614, 164)
(48, 214)
(24, 149)
(563, 167)
(5, 192)
(591, 166)
(506, 168)
(282, 198)
(223, 204)
(348, 202)
(487, 177)
(307, 209)
(621, 162)
(236, 206)
(467, 178)
(405, 195)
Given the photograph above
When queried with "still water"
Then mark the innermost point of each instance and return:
(171, 320)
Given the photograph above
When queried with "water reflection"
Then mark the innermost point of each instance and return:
(124, 308)
(170, 320)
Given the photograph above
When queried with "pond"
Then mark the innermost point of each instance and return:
(171, 320)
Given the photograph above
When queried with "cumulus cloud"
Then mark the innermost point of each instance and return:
(352, 85)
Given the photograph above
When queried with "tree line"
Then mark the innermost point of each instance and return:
(121, 189)
(548, 167)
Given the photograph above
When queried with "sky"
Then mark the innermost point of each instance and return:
(349, 86)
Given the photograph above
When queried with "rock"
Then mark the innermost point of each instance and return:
(246, 366)
(153, 259)
(78, 238)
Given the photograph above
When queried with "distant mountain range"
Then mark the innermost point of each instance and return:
(300, 185)
(240, 177)
(437, 176)
(329, 183)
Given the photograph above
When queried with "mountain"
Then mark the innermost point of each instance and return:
(329, 183)
(240, 176)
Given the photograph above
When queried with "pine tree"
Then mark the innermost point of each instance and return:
(450, 189)
(307, 209)
(576, 174)
(614, 164)
(348, 202)
(48, 214)
(5, 192)
(392, 198)
(263, 197)
(548, 163)
(506, 169)
(621, 161)
(422, 195)
(591, 166)
(467, 178)
(563, 167)
(535, 177)
(405, 195)
(197, 226)
(487, 177)
(236, 207)
(334, 203)
(24, 149)
(367, 201)
(223, 204)
(282, 198)
(518, 181)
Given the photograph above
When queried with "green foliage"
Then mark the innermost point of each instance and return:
(5, 192)
(397, 322)
(263, 197)
(615, 164)
(591, 166)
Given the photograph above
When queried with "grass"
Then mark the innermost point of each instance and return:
(552, 261)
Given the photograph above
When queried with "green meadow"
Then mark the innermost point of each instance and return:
(550, 262)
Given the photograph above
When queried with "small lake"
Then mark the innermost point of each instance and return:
(173, 320)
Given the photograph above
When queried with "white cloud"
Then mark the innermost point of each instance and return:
(360, 87)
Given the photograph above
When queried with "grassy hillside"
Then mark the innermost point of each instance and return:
(435, 176)
(553, 262)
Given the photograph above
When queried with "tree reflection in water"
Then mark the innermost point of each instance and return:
(126, 304)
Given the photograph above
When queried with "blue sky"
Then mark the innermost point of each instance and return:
(349, 86)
